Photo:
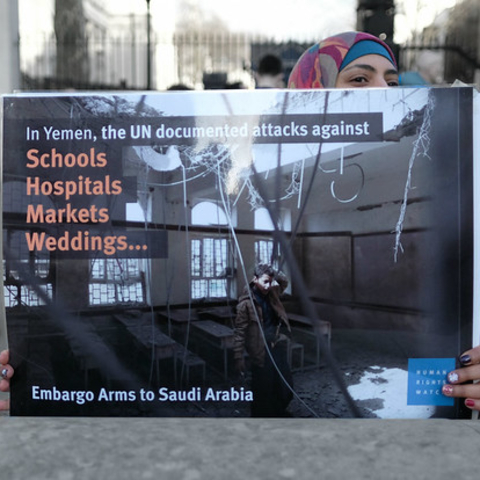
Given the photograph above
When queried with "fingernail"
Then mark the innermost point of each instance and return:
(447, 389)
(470, 403)
(453, 377)
(465, 359)
(4, 373)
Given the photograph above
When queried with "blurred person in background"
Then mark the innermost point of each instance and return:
(269, 73)
(428, 70)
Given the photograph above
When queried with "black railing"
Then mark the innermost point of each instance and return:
(187, 58)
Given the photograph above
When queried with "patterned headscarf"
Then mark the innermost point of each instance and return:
(319, 66)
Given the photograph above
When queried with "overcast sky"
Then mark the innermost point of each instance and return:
(300, 19)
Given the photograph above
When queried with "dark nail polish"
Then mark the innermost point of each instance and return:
(465, 359)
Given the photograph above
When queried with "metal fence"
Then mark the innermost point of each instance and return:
(99, 63)
(195, 59)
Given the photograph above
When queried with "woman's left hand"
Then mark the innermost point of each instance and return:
(469, 372)
(6, 373)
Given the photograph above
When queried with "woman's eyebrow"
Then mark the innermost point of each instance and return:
(366, 66)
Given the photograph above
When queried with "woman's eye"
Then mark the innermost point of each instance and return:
(359, 79)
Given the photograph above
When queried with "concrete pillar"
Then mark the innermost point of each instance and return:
(9, 46)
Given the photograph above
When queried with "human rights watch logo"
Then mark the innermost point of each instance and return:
(426, 377)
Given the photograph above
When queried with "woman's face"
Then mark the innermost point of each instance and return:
(368, 71)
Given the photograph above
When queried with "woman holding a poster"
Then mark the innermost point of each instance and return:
(346, 60)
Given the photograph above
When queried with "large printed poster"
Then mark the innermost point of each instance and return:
(132, 224)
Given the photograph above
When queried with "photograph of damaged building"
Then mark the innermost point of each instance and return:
(373, 226)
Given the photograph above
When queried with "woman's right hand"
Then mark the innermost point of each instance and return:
(6, 373)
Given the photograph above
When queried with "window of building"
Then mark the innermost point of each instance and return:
(263, 221)
(28, 280)
(120, 280)
(208, 213)
(209, 267)
(27, 277)
(116, 281)
(263, 251)
(135, 212)
(211, 259)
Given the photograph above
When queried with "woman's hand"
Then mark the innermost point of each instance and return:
(469, 372)
(6, 373)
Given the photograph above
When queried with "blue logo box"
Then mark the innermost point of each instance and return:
(426, 376)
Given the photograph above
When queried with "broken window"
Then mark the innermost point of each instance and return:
(116, 281)
(263, 251)
(27, 277)
(209, 267)
(211, 263)
(18, 288)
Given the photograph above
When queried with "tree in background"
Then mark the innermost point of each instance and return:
(72, 53)
(205, 46)
(462, 58)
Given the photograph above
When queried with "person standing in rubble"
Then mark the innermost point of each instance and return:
(261, 328)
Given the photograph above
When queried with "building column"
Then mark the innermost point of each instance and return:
(9, 46)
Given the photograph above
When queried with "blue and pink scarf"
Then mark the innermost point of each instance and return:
(319, 66)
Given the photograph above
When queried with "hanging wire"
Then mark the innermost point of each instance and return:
(297, 278)
(420, 147)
